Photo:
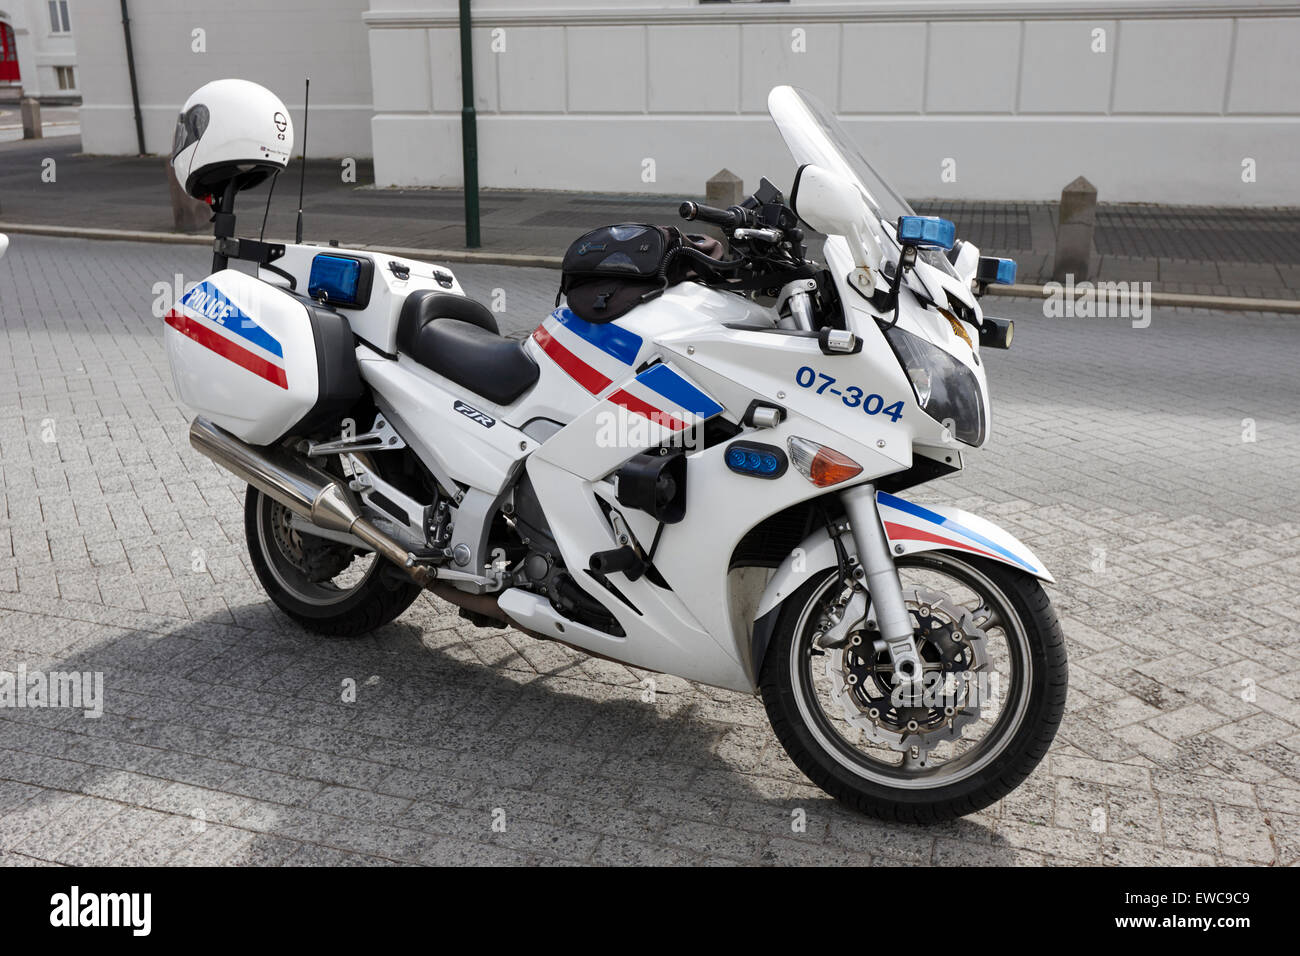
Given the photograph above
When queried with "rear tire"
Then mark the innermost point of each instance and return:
(353, 609)
(921, 799)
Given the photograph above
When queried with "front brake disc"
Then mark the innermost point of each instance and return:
(952, 650)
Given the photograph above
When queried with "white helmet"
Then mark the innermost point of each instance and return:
(230, 130)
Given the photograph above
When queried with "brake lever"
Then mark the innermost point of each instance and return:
(767, 235)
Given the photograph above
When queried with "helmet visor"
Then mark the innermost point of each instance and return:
(189, 127)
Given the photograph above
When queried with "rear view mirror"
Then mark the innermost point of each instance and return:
(967, 261)
(832, 205)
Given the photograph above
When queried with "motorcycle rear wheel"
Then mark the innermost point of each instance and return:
(836, 734)
(326, 587)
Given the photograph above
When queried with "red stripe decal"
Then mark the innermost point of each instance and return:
(645, 409)
(902, 532)
(585, 375)
(227, 349)
(595, 382)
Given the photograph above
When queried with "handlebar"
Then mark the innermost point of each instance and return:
(732, 218)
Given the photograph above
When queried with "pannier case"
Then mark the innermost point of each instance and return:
(257, 361)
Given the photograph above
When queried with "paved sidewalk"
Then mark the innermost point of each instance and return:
(56, 121)
(1251, 253)
(1119, 455)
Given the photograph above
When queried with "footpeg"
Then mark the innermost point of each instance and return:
(622, 559)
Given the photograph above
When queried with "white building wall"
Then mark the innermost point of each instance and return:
(41, 49)
(1009, 97)
(273, 42)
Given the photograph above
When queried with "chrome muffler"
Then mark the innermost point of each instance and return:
(304, 489)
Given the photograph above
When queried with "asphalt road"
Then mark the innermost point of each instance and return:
(1252, 253)
(1151, 468)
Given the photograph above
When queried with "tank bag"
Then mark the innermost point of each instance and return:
(608, 271)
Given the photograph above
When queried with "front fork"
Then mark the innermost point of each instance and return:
(893, 621)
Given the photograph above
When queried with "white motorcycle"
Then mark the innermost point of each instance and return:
(692, 466)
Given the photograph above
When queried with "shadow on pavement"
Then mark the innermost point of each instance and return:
(224, 744)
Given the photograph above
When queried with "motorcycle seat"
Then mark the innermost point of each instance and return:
(458, 338)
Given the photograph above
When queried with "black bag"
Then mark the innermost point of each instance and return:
(608, 271)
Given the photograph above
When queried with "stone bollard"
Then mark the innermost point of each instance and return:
(31, 112)
(188, 214)
(1074, 234)
(724, 189)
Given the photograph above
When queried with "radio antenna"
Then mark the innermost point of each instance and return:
(302, 173)
(267, 211)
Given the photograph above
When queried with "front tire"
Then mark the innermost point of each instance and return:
(328, 588)
(848, 747)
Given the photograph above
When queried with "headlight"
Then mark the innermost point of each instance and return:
(947, 390)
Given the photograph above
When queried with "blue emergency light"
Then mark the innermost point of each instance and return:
(926, 231)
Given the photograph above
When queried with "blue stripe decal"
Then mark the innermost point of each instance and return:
(683, 395)
(207, 300)
(610, 338)
(947, 523)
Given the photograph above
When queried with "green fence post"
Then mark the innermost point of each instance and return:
(468, 128)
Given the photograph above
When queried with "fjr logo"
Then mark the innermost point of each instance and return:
(474, 415)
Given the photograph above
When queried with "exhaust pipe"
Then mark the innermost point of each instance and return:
(305, 490)
(323, 500)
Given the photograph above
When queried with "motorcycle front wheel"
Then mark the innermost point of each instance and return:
(995, 684)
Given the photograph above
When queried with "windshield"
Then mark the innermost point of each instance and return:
(813, 135)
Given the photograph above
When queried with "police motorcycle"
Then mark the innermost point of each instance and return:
(695, 465)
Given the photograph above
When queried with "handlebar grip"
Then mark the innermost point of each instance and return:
(726, 218)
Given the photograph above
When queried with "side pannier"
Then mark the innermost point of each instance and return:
(259, 362)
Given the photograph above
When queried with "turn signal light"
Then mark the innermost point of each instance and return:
(821, 465)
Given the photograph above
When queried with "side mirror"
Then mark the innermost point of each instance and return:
(832, 205)
(4, 244)
(967, 261)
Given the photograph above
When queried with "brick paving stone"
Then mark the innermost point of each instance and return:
(1181, 743)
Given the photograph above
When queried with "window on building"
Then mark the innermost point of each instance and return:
(67, 78)
(59, 17)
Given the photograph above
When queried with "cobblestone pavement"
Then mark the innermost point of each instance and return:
(1120, 456)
